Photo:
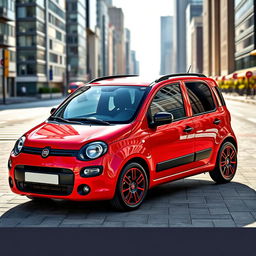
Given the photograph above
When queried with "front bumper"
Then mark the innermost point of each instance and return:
(68, 169)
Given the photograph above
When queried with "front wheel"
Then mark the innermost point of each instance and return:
(132, 187)
(226, 164)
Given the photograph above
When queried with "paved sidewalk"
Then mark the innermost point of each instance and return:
(248, 99)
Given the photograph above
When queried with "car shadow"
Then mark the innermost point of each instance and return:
(187, 203)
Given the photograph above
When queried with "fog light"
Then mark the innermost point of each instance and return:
(83, 190)
(91, 171)
(9, 163)
(10, 182)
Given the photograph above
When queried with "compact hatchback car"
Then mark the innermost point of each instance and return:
(117, 137)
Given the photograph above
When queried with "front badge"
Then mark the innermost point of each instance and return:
(45, 152)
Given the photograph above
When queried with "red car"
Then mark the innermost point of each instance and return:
(74, 86)
(117, 137)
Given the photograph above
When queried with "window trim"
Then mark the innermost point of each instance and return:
(183, 100)
(209, 87)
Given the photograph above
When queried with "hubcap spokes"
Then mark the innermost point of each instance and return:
(228, 162)
(133, 186)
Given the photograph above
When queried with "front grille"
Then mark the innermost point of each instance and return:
(53, 152)
(65, 187)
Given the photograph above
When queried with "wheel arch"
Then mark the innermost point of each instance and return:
(230, 139)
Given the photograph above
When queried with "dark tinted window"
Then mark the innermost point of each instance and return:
(168, 99)
(200, 97)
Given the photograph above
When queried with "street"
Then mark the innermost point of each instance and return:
(190, 202)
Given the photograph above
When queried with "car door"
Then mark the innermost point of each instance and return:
(207, 120)
(172, 146)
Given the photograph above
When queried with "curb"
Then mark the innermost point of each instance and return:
(241, 100)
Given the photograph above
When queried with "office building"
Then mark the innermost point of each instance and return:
(103, 25)
(41, 45)
(218, 37)
(245, 34)
(167, 62)
(193, 10)
(92, 37)
(7, 41)
(76, 40)
(127, 51)
(196, 44)
(116, 19)
(135, 65)
(180, 33)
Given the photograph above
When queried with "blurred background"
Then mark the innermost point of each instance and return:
(46, 45)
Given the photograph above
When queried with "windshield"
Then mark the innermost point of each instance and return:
(112, 104)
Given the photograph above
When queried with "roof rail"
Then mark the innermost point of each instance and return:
(166, 77)
(109, 77)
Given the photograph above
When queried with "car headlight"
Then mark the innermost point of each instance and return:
(92, 151)
(19, 145)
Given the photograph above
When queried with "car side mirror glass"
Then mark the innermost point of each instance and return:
(52, 110)
(162, 118)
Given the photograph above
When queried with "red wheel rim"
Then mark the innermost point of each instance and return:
(133, 186)
(228, 162)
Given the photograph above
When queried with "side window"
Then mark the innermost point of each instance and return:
(168, 99)
(200, 97)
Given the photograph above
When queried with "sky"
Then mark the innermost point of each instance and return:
(142, 17)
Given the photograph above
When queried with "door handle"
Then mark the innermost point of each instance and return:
(188, 129)
(217, 121)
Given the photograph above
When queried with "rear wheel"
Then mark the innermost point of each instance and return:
(226, 164)
(132, 187)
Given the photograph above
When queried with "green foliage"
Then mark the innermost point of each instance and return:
(42, 90)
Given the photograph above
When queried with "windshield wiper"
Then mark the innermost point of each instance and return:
(57, 118)
(90, 120)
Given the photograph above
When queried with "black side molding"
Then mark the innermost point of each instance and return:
(187, 159)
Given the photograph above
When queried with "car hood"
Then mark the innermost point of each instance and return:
(72, 136)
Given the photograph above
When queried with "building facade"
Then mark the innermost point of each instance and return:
(196, 40)
(128, 51)
(193, 10)
(135, 65)
(180, 55)
(166, 66)
(245, 34)
(103, 24)
(116, 19)
(41, 40)
(7, 41)
(92, 38)
(218, 37)
(76, 40)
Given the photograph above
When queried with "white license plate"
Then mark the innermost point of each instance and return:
(42, 178)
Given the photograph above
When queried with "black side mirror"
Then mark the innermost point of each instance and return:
(52, 110)
(162, 118)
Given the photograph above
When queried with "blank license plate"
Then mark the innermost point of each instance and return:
(42, 178)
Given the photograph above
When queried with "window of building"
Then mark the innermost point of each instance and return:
(58, 35)
(53, 58)
(24, 12)
(26, 27)
(200, 97)
(168, 99)
(26, 41)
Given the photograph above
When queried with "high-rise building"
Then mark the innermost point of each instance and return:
(41, 41)
(76, 40)
(135, 65)
(218, 37)
(92, 39)
(167, 63)
(196, 40)
(116, 18)
(180, 33)
(193, 10)
(7, 41)
(103, 25)
(245, 34)
(128, 51)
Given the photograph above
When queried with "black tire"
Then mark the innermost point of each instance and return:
(226, 164)
(133, 190)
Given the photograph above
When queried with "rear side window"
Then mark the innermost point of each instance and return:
(168, 99)
(200, 97)
(223, 103)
